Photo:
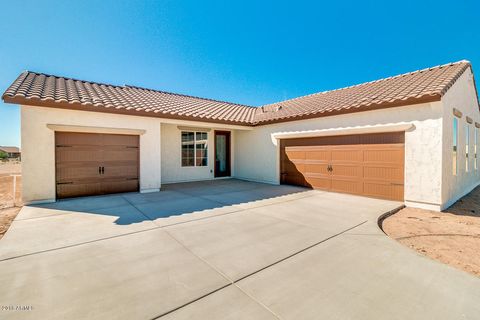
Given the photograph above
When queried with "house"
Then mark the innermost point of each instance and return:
(12, 152)
(411, 138)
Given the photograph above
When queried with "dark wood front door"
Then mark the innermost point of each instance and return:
(92, 163)
(370, 164)
(222, 153)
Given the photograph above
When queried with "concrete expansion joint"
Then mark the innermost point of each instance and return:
(301, 251)
(140, 211)
(230, 283)
(42, 217)
(235, 282)
(157, 226)
(79, 244)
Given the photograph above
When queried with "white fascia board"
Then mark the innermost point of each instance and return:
(342, 131)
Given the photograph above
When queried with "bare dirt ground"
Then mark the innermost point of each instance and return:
(7, 198)
(6, 218)
(11, 167)
(10, 203)
(452, 236)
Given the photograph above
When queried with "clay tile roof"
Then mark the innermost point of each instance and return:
(425, 85)
(39, 89)
(10, 149)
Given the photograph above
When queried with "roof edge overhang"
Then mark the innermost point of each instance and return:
(35, 102)
(81, 107)
(383, 105)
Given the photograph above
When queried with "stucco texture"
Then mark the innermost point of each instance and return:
(461, 96)
(160, 147)
(429, 181)
(172, 170)
(258, 154)
(38, 146)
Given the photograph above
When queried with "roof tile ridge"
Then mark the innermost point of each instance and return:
(73, 79)
(24, 74)
(373, 81)
(186, 95)
(131, 86)
(455, 77)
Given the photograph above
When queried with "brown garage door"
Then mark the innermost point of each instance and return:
(90, 163)
(370, 165)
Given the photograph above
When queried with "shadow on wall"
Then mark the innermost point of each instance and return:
(468, 205)
(174, 200)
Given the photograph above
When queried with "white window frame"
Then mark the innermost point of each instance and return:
(194, 149)
(475, 147)
(467, 148)
(455, 147)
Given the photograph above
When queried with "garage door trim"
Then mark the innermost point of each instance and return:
(370, 164)
(89, 163)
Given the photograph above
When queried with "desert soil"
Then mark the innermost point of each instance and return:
(6, 218)
(451, 237)
(10, 204)
(10, 167)
(7, 198)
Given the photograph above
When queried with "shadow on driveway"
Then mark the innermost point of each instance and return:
(174, 200)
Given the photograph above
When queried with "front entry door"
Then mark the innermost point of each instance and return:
(222, 153)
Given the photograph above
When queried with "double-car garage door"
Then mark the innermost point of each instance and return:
(370, 164)
(91, 163)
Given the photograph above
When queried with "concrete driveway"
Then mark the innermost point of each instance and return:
(225, 249)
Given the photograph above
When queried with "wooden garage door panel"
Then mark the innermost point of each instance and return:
(371, 165)
(318, 182)
(124, 154)
(350, 155)
(77, 173)
(294, 166)
(78, 189)
(386, 173)
(111, 140)
(119, 185)
(346, 170)
(383, 155)
(77, 153)
(79, 157)
(294, 154)
(354, 186)
(318, 155)
(321, 168)
(384, 190)
(78, 139)
(120, 171)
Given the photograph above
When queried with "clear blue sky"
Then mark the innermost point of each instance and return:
(244, 52)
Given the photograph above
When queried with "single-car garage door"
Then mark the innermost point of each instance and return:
(91, 163)
(370, 164)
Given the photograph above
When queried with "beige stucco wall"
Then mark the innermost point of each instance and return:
(461, 96)
(160, 147)
(429, 182)
(38, 146)
(258, 156)
(172, 170)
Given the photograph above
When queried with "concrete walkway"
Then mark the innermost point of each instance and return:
(226, 249)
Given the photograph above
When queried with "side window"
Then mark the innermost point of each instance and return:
(201, 149)
(475, 138)
(467, 146)
(188, 149)
(455, 142)
(194, 149)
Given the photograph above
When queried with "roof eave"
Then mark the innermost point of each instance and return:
(112, 110)
(378, 106)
